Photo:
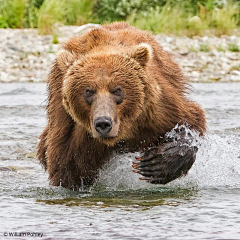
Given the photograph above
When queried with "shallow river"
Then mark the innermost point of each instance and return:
(203, 205)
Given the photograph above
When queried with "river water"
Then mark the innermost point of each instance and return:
(203, 205)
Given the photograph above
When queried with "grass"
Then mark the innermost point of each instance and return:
(12, 13)
(26, 13)
(55, 38)
(50, 13)
(237, 68)
(199, 18)
(223, 21)
(220, 48)
(174, 19)
(166, 19)
(204, 48)
(233, 47)
(192, 49)
(78, 12)
(70, 12)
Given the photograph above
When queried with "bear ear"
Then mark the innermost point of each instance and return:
(142, 53)
(65, 59)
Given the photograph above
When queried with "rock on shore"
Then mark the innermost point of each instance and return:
(26, 56)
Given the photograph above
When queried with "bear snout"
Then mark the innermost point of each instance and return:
(103, 125)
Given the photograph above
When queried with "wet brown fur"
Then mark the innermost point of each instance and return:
(67, 149)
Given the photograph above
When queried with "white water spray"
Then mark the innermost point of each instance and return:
(217, 164)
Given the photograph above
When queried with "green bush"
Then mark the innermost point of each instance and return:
(51, 11)
(44, 13)
(169, 16)
(223, 20)
(31, 13)
(19, 13)
(173, 18)
(162, 19)
(115, 10)
(3, 21)
(12, 13)
(73, 12)
(78, 12)
(37, 3)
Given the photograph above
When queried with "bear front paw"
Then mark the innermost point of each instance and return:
(163, 164)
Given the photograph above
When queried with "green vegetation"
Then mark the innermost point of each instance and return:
(192, 49)
(220, 48)
(237, 68)
(55, 39)
(43, 14)
(50, 12)
(69, 12)
(204, 48)
(12, 13)
(165, 19)
(233, 47)
(115, 10)
(175, 19)
(182, 17)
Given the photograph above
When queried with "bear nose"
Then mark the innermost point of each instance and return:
(103, 125)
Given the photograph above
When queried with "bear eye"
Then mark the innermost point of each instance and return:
(117, 91)
(88, 95)
(89, 92)
(118, 94)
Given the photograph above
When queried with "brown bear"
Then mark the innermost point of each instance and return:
(115, 90)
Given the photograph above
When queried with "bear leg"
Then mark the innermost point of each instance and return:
(42, 148)
(168, 161)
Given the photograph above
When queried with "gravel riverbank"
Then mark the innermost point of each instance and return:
(26, 56)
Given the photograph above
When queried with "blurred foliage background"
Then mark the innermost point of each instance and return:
(181, 17)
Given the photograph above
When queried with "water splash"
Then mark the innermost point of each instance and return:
(217, 164)
(184, 131)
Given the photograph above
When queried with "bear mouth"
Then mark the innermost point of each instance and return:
(104, 128)
(105, 137)
(108, 140)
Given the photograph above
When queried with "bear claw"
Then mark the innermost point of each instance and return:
(145, 178)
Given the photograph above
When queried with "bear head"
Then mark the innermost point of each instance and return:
(104, 90)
